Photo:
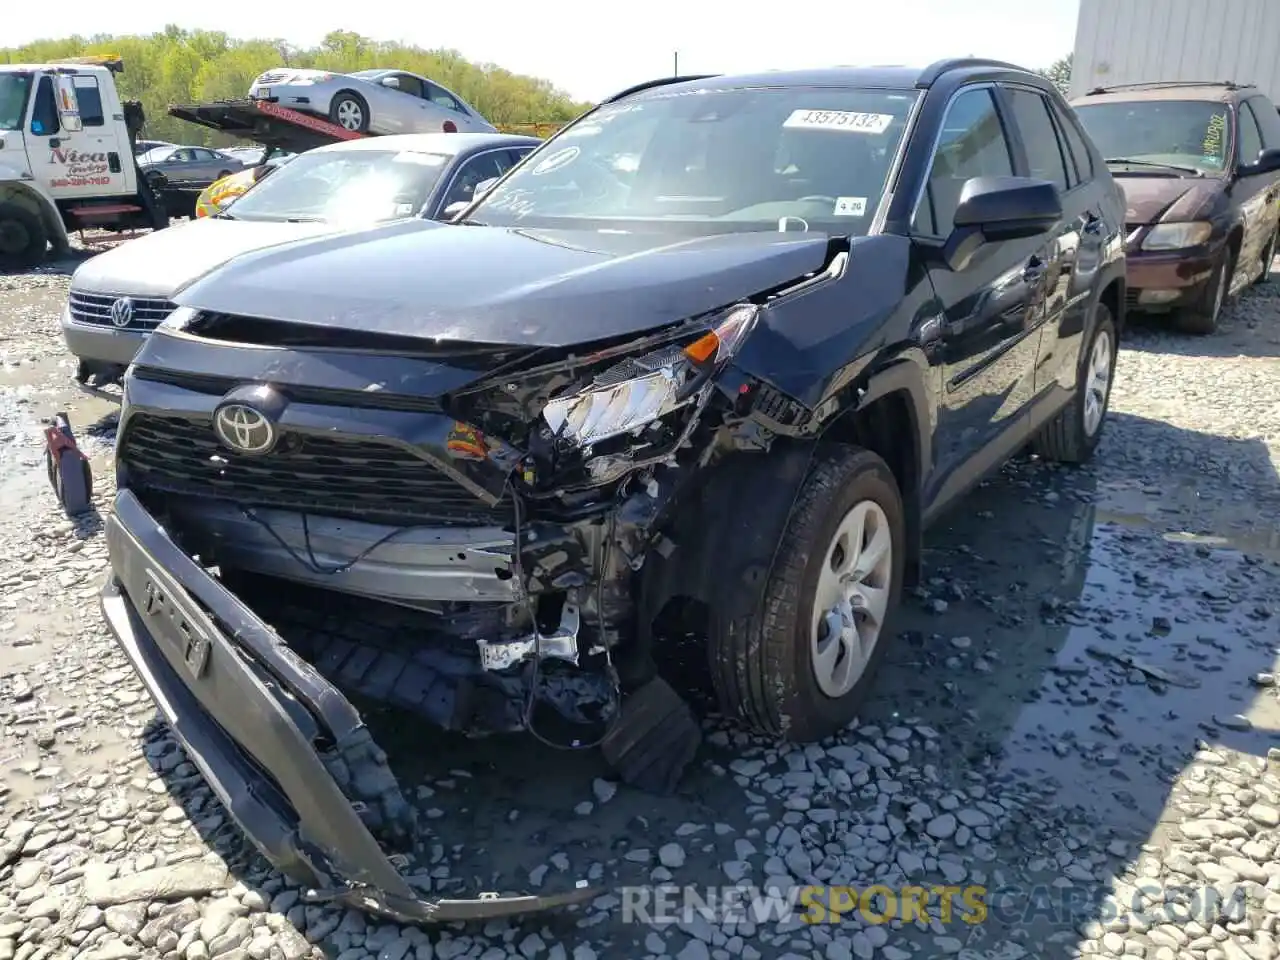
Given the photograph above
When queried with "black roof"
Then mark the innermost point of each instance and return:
(888, 77)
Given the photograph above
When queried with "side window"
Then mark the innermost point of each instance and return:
(409, 84)
(473, 172)
(44, 113)
(1044, 151)
(90, 99)
(519, 154)
(206, 155)
(972, 144)
(1264, 111)
(1079, 150)
(442, 99)
(1249, 142)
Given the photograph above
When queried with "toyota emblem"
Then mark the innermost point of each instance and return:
(122, 312)
(243, 429)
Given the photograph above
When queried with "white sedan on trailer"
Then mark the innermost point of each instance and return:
(371, 101)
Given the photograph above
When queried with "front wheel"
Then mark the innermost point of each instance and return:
(1073, 435)
(1202, 318)
(802, 667)
(22, 236)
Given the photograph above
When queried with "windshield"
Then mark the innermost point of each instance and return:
(14, 88)
(713, 161)
(344, 186)
(1182, 133)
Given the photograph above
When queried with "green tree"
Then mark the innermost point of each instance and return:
(1059, 72)
(192, 66)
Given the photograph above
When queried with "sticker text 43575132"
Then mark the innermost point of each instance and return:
(839, 120)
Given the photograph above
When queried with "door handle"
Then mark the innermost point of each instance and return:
(54, 142)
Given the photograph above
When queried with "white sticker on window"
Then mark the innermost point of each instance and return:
(424, 159)
(404, 210)
(850, 207)
(839, 120)
(561, 158)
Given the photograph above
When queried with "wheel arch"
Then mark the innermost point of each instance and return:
(31, 196)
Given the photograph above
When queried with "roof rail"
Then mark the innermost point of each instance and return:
(1162, 84)
(650, 84)
(113, 62)
(930, 74)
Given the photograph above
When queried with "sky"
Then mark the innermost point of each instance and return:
(594, 49)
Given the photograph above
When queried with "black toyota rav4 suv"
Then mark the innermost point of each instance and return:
(704, 364)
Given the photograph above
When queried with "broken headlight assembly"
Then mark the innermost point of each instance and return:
(638, 391)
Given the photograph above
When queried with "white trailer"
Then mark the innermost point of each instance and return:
(1135, 41)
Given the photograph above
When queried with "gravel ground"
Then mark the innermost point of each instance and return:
(1081, 718)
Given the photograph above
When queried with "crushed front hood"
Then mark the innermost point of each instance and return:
(498, 285)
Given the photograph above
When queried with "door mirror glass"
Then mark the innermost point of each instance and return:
(1268, 162)
(992, 209)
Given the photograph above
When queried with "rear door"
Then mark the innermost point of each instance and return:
(1071, 254)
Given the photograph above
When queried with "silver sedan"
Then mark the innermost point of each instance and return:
(371, 101)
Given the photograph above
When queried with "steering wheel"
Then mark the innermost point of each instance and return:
(818, 196)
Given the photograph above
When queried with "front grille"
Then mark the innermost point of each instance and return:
(271, 77)
(333, 476)
(95, 309)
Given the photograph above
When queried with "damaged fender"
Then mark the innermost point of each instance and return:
(735, 522)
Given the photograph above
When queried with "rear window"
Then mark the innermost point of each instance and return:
(714, 161)
(1194, 134)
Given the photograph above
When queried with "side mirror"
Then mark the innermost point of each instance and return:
(392, 82)
(992, 209)
(1268, 162)
(455, 208)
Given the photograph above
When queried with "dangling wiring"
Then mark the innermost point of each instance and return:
(309, 561)
(615, 684)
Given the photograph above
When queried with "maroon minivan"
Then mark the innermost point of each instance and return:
(1199, 164)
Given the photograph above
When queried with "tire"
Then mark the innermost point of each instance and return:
(23, 239)
(1202, 318)
(1267, 257)
(350, 111)
(221, 174)
(763, 666)
(73, 483)
(1073, 435)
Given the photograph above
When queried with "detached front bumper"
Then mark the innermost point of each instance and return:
(249, 714)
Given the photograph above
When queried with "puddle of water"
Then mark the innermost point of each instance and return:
(1067, 630)
(1149, 665)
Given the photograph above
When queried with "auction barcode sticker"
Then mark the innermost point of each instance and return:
(839, 120)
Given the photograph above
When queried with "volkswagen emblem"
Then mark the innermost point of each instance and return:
(243, 429)
(122, 312)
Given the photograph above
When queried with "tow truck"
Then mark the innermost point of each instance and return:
(66, 156)
(67, 159)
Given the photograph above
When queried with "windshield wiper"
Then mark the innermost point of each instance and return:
(305, 220)
(223, 216)
(470, 223)
(1151, 163)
